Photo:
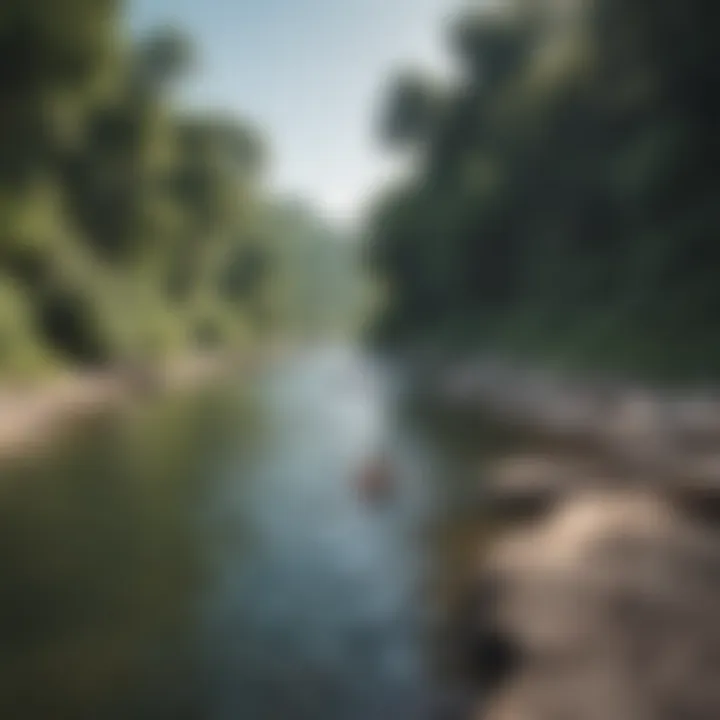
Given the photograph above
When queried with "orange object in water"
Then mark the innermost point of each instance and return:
(377, 481)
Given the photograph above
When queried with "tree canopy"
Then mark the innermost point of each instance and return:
(566, 201)
(130, 227)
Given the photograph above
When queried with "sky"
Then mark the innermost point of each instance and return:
(310, 74)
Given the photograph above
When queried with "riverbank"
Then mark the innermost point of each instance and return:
(671, 433)
(33, 416)
(605, 607)
(594, 598)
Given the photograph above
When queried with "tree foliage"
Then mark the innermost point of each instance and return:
(128, 227)
(566, 202)
(316, 289)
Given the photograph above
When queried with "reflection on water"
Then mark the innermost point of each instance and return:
(99, 563)
(211, 559)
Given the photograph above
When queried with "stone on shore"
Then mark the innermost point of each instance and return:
(612, 601)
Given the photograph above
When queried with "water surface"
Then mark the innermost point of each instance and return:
(212, 558)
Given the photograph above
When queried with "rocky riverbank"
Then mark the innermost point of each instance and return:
(607, 606)
(670, 432)
(598, 598)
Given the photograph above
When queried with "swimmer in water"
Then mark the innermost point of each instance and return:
(376, 482)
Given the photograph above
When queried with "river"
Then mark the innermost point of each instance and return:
(211, 558)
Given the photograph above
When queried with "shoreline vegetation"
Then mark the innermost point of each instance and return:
(138, 233)
(136, 227)
(562, 199)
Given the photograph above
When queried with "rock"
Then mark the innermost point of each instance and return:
(612, 604)
(697, 419)
(524, 487)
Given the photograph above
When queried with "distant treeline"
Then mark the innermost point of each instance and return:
(566, 200)
(130, 228)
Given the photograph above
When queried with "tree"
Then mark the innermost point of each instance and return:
(565, 199)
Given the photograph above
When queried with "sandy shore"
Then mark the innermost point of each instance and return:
(31, 417)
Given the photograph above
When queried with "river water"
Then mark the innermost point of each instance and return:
(211, 558)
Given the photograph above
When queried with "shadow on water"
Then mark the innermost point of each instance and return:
(99, 560)
(212, 558)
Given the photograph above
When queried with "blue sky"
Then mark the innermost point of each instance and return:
(309, 73)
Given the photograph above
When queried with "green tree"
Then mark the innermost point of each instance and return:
(565, 199)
